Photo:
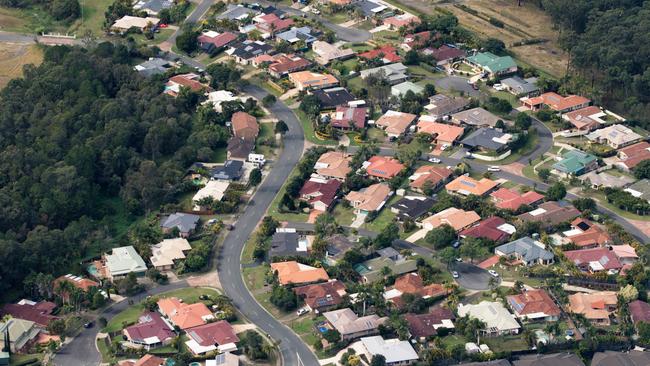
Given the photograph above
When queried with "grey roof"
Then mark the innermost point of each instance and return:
(156, 5)
(445, 105)
(367, 7)
(124, 260)
(285, 244)
(526, 248)
(640, 189)
(489, 363)
(521, 86)
(153, 66)
(413, 207)
(236, 12)
(477, 117)
(337, 245)
(249, 49)
(333, 97)
(556, 359)
(611, 358)
(388, 252)
(403, 88)
(394, 73)
(184, 222)
(231, 170)
(484, 138)
(294, 34)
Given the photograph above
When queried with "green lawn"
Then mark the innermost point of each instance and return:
(104, 351)
(385, 217)
(305, 328)
(344, 216)
(309, 129)
(530, 145)
(159, 37)
(506, 343)
(93, 17)
(255, 276)
(513, 273)
(266, 132)
(602, 199)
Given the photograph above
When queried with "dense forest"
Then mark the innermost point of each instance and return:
(83, 134)
(609, 46)
(64, 10)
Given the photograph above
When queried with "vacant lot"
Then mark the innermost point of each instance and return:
(519, 23)
(12, 58)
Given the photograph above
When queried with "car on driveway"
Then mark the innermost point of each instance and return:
(493, 273)
(455, 274)
(434, 160)
(459, 259)
(493, 168)
(302, 311)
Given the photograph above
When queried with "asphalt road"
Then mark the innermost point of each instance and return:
(194, 17)
(81, 351)
(16, 37)
(472, 277)
(456, 83)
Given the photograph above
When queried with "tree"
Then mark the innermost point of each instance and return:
(311, 105)
(544, 174)
(98, 300)
(387, 235)
(378, 360)
(584, 204)
(65, 9)
(642, 170)
(284, 298)
(495, 46)
(447, 255)
(255, 177)
(441, 236)
(281, 127)
(556, 192)
(187, 40)
(523, 121)
(268, 100)
(412, 57)
(628, 293)
(472, 248)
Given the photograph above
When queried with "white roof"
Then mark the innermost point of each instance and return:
(210, 33)
(124, 260)
(168, 250)
(393, 350)
(507, 228)
(392, 293)
(537, 212)
(493, 314)
(152, 340)
(128, 21)
(199, 349)
(214, 189)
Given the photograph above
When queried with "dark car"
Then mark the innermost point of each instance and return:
(89, 325)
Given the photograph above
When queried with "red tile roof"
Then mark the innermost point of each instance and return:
(558, 102)
(81, 283)
(583, 257)
(218, 333)
(430, 173)
(322, 295)
(632, 155)
(244, 125)
(386, 52)
(285, 64)
(411, 283)
(533, 301)
(510, 200)
(40, 313)
(639, 311)
(422, 325)
(345, 115)
(220, 40)
(188, 81)
(488, 229)
(418, 39)
(272, 23)
(445, 52)
(149, 360)
(384, 167)
(318, 191)
(149, 325)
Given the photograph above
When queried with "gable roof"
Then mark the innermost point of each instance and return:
(466, 185)
(292, 272)
(370, 198)
(492, 228)
(383, 167)
(527, 248)
(184, 222)
(531, 302)
(244, 125)
(454, 217)
(395, 122)
(510, 200)
(321, 295)
(429, 173)
(442, 131)
(426, 325)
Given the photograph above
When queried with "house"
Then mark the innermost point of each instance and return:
(594, 259)
(556, 359)
(165, 253)
(185, 223)
(640, 189)
(83, 284)
(465, 185)
(625, 253)
(585, 119)
(393, 73)
(445, 54)
(487, 363)
(347, 118)
(294, 273)
(229, 171)
(639, 312)
(400, 90)
(416, 41)
(395, 352)
(369, 199)
(493, 228)
(604, 179)
(371, 270)
(478, 117)
(443, 134)
(350, 325)
(127, 22)
(285, 64)
(190, 81)
(527, 251)
(21, 332)
(333, 165)
(244, 52)
(574, 163)
(441, 106)
(321, 297)
(496, 317)
(412, 207)
(534, 305)
(210, 41)
(297, 34)
(487, 140)
(455, 217)
(586, 234)
(184, 316)
(306, 80)
(237, 13)
(507, 199)
(38, 312)
(218, 336)
(402, 20)
(492, 64)
(288, 243)
(629, 358)
(239, 148)
(326, 53)
(632, 155)
(244, 125)
(122, 261)
(556, 102)
(217, 98)
(224, 359)
(395, 123)
(596, 306)
(550, 213)
(369, 8)
(422, 326)
(153, 66)
(153, 7)
(151, 331)
(615, 136)
(146, 360)
(382, 167)
(386, 53)
(319, 193)
(214, 189)
(270, 24)
(411, 283)
(331, 98)
(429, 176)
(521, 87)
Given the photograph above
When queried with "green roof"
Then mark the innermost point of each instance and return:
(492, 62)
(574, 162)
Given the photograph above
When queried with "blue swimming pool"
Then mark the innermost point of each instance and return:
(92, 270)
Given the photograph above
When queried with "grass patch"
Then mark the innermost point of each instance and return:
(255, 276)
(14, 56)
(344, 216)
(506, 343)
(309, 129)
(522, 151)
(602, 199)
(511, 273)
(104, 351)
(266, 133)
(158, 37)
(385, 217)
(274, 208)
(305, 328)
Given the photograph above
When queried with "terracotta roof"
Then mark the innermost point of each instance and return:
(418, 39)
(308, 79)
(285, 64)
(639, 311)
(558, 102)
(81, 283)
(334, 164)
(347, 322)
(510, 200)
(429, 173)
(424, 325)
(344, 116)
(593, 236)
(624, 251)
(402, 20)
(150, 360)
(383, 167)
(468, 185)
(395, 122)
(581, 118)
(39, 313)
(443, 132)
(321, 295)
(551, 213)
(218, 41)
(533, 302)
(149, 325)
(319, 191)
(387, 53)
(585, 257)
(370, 198)
(632, 155)
(454, 217)
(445, 52)
(488, 228)
(593, 305)
(411, 283)
(293, 272)
(273, 23)
(218, 333)
(244, 125)
(185, 80)
(183, 315)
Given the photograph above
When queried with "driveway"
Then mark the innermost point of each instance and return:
(472, 277)
(456, 83)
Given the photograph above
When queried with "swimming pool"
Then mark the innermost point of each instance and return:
(92, 270)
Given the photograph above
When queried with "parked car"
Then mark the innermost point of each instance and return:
(459, 260)
(455, 274)
(88, 325)
(493, 168)
(456, 244)
(468, 155)
(212, 222)
(493, 273)
(499, 87)
(434, 160)
(315, 11)
(444, 147)
(302, 311)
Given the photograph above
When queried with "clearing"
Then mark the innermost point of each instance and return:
(520, 23)
(12, 58)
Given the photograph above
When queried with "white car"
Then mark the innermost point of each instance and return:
(444, 147)
(459, 260)
(455, 274)
(493, 273)
(315, 11)
(302, 311)
(493, 168)
(499, 87)
(434, 160)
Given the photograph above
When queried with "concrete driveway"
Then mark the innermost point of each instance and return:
(472, 277)
(456, 83)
